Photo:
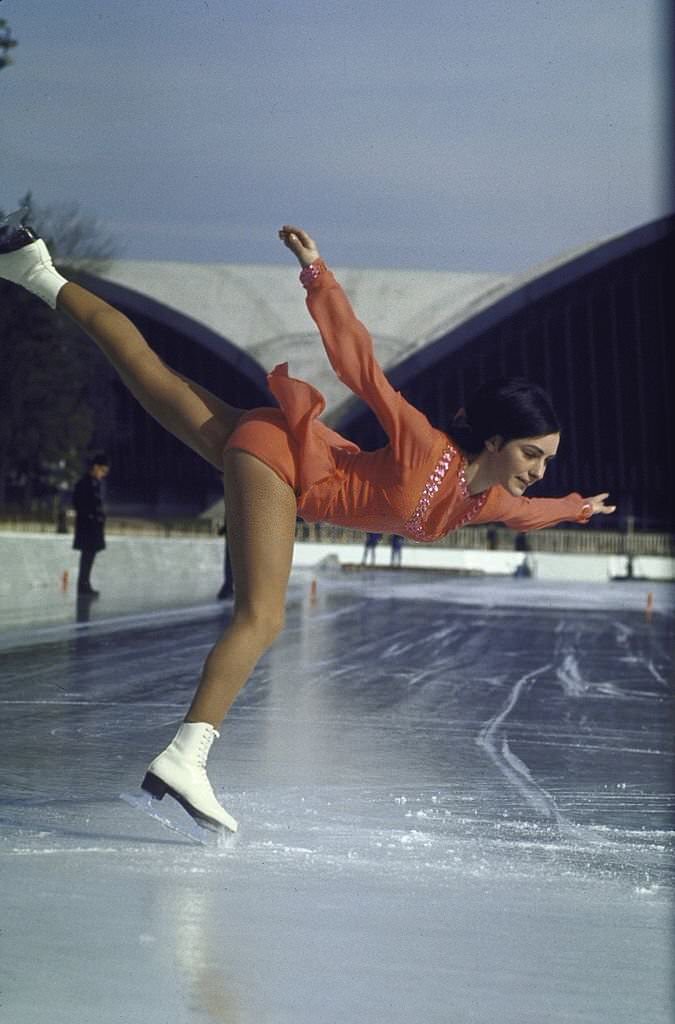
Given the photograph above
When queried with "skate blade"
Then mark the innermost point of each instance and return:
(177, 821)
(14, 220)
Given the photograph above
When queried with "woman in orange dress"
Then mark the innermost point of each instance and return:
(280, 463)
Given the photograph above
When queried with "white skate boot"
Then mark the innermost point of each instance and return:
(25, 260)
(180, 771)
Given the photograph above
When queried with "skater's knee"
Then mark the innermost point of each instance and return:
(265, 621)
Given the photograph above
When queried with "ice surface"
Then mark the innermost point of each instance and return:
(455, 801)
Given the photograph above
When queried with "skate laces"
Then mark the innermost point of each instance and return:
(204, 748)
(202, 754)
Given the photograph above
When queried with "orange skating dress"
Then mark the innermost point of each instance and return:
(415, 486)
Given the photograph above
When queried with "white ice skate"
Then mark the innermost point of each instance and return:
(25, 260)
(180, 771)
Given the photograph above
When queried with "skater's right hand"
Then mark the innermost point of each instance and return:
(300, 244)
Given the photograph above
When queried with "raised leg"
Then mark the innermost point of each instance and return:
(261, 512)
(185, 409)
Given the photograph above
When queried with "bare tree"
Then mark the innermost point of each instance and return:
(46, 417)
(76, 239)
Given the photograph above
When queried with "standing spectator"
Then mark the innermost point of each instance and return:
(396, 550)
(372, 540)
(227, 589)
(89, 520)
(522, 543)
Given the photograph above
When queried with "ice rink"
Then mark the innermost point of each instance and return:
(455, 796)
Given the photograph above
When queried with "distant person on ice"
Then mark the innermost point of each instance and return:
(278, 463)
(89, 521)
(396, 552)
(370, 548)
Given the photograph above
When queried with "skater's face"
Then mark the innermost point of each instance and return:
(99, 472)
(518, 464)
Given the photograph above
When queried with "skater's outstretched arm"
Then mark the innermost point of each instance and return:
(188, 411)
(350, 350)
(537, 513)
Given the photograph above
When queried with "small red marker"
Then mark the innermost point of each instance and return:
(649, 607)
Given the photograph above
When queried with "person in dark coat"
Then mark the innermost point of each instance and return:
(227, 589)
(89, 520)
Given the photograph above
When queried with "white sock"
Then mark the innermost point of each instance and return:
(46, 284)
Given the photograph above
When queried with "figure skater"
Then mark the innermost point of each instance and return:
(279, 463)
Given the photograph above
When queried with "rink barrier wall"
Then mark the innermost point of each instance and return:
(558, 540)
(544, 565)
(31, 560)
(41, 560)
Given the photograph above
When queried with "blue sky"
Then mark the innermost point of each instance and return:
(447, 135)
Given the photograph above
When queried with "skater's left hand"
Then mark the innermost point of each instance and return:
(598, 506)
(300, 244)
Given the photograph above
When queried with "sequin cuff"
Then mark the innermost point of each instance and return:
(308, 275)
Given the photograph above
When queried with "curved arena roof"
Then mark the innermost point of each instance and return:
(254, 316)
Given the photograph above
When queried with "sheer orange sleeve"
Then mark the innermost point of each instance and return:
(532, 513)
(350, 351)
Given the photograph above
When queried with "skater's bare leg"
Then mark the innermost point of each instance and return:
(261, 511)
(187, 410)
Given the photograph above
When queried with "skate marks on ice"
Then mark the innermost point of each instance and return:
(588, 671)
(573, 643)
(381, 848)
(432, 837)
(568, 703)
(414, 731)
(489, 593)
(494, 740)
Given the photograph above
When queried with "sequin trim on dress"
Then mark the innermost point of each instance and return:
(415, 524)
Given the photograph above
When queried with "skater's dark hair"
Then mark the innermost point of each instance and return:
(511, 407)
(100, 459)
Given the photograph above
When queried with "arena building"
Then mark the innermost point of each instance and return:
(595, 327)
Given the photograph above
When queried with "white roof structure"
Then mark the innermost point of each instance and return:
(260, 310)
